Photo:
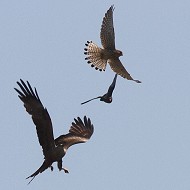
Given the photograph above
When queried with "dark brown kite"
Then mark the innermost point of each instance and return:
(53, 149)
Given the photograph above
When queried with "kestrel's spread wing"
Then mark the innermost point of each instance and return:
(80, 132)
(117, 67)
(40, 115)
(107, 30)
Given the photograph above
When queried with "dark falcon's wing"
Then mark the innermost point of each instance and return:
(79, 132)
(40, 115)
(112, 86)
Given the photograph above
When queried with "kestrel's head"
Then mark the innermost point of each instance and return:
(119, 53)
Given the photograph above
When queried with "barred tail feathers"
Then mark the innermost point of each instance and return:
(93, 53)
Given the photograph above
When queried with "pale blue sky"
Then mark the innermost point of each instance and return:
(141, 140)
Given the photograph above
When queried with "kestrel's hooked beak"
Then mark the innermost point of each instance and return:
(120, 53)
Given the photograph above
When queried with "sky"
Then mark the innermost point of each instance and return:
(141, 140)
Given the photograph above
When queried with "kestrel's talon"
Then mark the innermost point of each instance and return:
(65, 170)
(137, 81)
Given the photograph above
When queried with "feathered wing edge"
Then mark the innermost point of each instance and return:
(27, 92)
(118, 68)
(79, 132)
(107, 34)
(40, 115)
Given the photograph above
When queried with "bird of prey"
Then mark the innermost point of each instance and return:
(53, 149)
(107, 98)
(99, 57)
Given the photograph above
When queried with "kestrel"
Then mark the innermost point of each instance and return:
(107, 98)
(99, 57)
(53, 149)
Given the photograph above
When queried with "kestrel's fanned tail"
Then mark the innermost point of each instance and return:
(94, 56)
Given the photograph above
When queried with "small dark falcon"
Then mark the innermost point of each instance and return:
(107, 98)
